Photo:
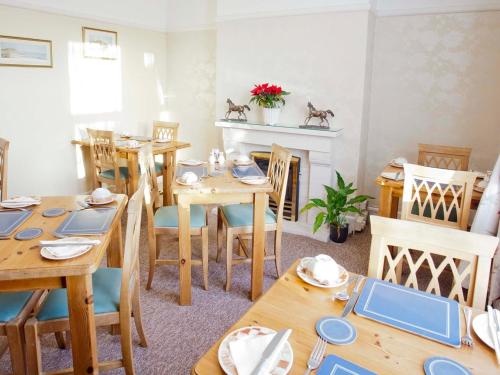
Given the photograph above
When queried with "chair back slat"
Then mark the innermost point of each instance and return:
(103, 155)
(437, 196)
(4, 151)
(165, 130)
(132, 238)
(432, 254)
(277, 172)
(444, 157)
(151, 191)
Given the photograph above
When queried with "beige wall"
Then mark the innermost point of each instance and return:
(436, 79)
(190, 89)
(319, 57)
(41, 109)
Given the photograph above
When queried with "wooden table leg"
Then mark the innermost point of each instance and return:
(394, 206)
(385, 201)
(82, 324)
(133, 172)
(259, 208)
(169, 164)
(184, 251)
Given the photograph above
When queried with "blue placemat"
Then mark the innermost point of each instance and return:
(11, 220)
(333, 365)
(199, 170)
(247, 171)
(421, 313)
(88, 221)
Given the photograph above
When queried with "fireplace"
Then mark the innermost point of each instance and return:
(291, 206)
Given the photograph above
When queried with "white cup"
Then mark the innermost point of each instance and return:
(189, 178)
(100, 195)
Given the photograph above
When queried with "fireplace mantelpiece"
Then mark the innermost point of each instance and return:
(316, 148)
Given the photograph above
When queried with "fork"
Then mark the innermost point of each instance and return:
(316, 356)
(467, 338)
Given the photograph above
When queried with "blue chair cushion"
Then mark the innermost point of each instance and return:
(158, 166)
(106, 284)
(241, 215)
(167, 217)
(12, 303)
(110, 173)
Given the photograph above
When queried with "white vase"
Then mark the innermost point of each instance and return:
(271, 115)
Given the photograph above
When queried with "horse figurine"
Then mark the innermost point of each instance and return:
(322, 115)
(236, 108)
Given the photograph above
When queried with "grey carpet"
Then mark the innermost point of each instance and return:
(179, 335)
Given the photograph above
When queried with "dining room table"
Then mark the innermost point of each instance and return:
(294, 304)
(391, 191)
(22, 268)
(168, 151)
(219, 186)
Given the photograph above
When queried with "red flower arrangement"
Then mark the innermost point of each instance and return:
(268, 96)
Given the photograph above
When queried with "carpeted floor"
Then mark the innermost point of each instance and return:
(179, 335)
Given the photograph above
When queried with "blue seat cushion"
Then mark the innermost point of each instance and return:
(12, 303)
(110, 173)
(168, 217)
(241, 215)
(106, 284)
(158, 166)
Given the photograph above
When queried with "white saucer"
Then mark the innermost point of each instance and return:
(92, 203)
(241, 163)
(180, 182)
(480, 325)
(343, 278)
(254, 180)
(191, 163)
(162, 140)
(395, 165)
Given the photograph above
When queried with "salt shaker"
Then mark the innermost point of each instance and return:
(211, 159)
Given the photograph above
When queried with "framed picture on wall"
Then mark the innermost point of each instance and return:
(28, 52)
(100, 44)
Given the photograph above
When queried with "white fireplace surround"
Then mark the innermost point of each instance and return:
(316, 149)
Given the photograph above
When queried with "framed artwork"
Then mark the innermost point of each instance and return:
(99, 44)
(28, 52)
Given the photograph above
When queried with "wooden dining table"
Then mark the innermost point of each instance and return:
(291, 303)
(221, 189)
(392, 190)
(23, 268)
(168, 151)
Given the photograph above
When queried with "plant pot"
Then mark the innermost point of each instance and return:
(271, 115)
(339, 234)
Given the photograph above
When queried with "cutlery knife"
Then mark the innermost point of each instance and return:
(353, 299)
(493, 331)
(68, 243)
(277, 341)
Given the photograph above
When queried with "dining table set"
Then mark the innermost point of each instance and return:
(355, 325)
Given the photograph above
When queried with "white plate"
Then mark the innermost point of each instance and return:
(254, 180)
(394, 164)
(92, 203)
(20, 204)
(480, 325)
(85, 248)
(191, 163)
(226, 361)
(238, 163)
(162, 140)
(344, 276)
(180, 182)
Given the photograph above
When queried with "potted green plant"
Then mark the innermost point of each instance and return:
(334, 208)
(270, 99)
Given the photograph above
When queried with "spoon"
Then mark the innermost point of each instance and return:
(343, 295)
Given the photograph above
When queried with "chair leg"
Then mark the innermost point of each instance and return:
(15, 338)
(33, 349)
(153, 255)
(158, 247)
(136, 309)
(61, 343)
(277, 251)
(126, 342)
(204, 255)
(220, 227)
(229, 258)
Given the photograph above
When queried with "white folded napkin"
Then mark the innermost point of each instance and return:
(68, 247)
(397, 176)
(247, 352)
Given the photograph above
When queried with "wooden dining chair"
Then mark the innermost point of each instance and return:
(437, 196)
(432, 254)
(445, 157)
(4, 153)
(238, 218)
(105, 161)
(165, 220)
(15, 309)
(164, 131)
(116, 293)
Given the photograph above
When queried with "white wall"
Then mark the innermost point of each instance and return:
(319, 57)
(190, 89)
(41, 108)
(436, 79)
